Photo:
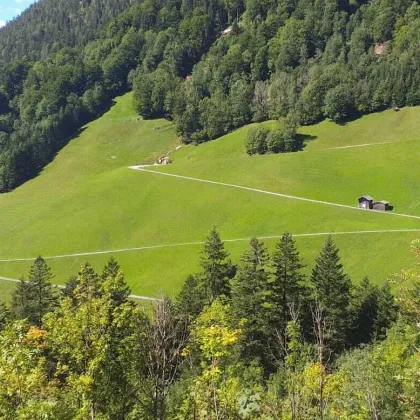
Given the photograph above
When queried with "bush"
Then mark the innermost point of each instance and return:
(275, 140)
(256, 141)
(280, 139)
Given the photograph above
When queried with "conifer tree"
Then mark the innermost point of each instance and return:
(70, 286)
(111, 269)
(34, 298)
(117, 289)
(387, 311)
(43, 295)
(331, 291)
(21, 299)
(372, 312)
(114, 281)
(288, 291)
(191, 299)
(250, 301)
(363, 312)
(217, 269)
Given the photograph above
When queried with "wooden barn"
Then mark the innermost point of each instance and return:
(365, 202)
(381, 205)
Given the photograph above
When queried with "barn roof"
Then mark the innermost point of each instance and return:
(381, 202)
(366, 197)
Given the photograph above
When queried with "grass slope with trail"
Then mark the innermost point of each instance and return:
(88, 200)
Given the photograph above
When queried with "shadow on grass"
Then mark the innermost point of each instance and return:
(304, 139)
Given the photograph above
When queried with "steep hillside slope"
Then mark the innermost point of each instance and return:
(88, 202)
(49, 25)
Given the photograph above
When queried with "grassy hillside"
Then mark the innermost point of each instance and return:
(385, 171)
(88, 200)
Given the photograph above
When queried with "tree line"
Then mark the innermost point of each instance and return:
(300, 60)
(47, 26)
(254, 340)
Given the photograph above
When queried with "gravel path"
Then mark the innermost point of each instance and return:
(291, 197)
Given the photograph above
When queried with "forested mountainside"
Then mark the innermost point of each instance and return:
(303, 60)
(49, 25)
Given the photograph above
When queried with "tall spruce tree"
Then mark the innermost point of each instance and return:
(33, 298)
(190, 300)
(111, 269)
(43, 294)
(332, 292)
(288, 290)
(250, 302)
(363, 313)
(387, 311)
(21, 299)
(115, 282)
(217, 269)
(70, 286)
(373, 310)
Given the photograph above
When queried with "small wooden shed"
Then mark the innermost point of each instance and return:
(365, 202)
(381, 205)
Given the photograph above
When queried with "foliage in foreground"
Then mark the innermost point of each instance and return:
(256, 341)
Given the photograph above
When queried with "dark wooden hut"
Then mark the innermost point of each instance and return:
(381, 205)
(365, 202)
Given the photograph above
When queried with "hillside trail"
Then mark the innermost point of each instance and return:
(291, 197)
(182, 244)
(148, 298)
(357, 145)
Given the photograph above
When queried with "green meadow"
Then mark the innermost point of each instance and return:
(88, 200)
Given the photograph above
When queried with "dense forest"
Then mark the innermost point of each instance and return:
(50, 25)
(209, 65)
(252, 340)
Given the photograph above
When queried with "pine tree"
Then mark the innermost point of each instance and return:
(288, 291)
(249, 301)
(111, 269)
(387, 311)
(117, 289)
(43, 295)
(331, 291)
(190, 300)
(114, 282)
(34, 298)
(363, 313)
(217, 270)
(70, 286)
(21, 299)
(257, 255)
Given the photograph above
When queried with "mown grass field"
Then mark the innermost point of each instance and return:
(88, 200)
